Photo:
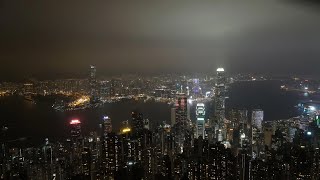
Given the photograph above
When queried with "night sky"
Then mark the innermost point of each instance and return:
(50, 39)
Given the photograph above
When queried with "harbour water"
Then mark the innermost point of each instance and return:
(39, 121)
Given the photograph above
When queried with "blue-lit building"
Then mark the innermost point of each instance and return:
(200, 114)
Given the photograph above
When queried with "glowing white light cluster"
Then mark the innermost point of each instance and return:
(75, 121)
(312, 108)
(242, 136)
(220, 69)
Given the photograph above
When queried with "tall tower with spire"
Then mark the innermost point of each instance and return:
(219, 104)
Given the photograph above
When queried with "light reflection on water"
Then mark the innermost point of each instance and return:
(40, 120)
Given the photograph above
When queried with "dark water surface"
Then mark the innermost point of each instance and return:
(266, 95)
(38, 121)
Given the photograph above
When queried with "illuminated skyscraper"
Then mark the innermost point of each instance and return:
(181, 110)
(93, 84)
(112, 88)
(76, 152)
(200, 113)
(107, 125)
(256, 132)
(75, 129)
(181, 126)
(257, 118)
(137, 121)
(93, 72)
(86, 162)
(219, 113)
(189, 109)
(138, 135)
(48, 158)
(243, 127)
(196, 88)
(110, 149)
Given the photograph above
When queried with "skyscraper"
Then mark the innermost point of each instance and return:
(200, 113)
(137, 121)
(93, 84)
(196, 90)
(86, 162)
(219, 113)
(77, 145)
(181, 110)
(112, 88)
(93, 71)
(48, 158)
(115, 87)
(110, 149)
(256, 132)
(243, 128)
(173, 116)
(181, 126)
(257, 118)
(107, 125)
(75, 129)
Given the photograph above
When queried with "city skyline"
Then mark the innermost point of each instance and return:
(276, 37)
(207, 137)
(176, 90)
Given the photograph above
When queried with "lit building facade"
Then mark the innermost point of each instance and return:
(200, 113)
(107, 124)
(219, 113)
(93, 84)
(137, 121)
(256, 132)
(257, 118)
(196, 90)
(76, 147)
(181, 126)
(75, 129)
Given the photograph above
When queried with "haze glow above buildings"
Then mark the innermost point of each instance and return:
(160, 90)
(61, 39)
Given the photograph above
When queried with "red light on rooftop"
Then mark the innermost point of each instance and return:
(75, 121)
